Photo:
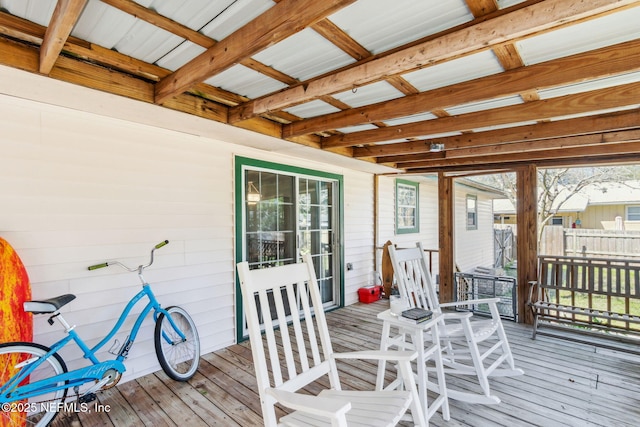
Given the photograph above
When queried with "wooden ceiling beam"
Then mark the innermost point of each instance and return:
(521, 23)
(339, 38)
(277, 23)
(572, 162)
(64, 18)
(608, 149)
(580, 103)
(538, 131)
(196, 37)
(481, 7)
(604, 62)
(519, 147)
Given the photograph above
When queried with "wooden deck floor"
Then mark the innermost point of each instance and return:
(565, 384)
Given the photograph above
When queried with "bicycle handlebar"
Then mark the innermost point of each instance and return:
(139, 268)
(97, 266)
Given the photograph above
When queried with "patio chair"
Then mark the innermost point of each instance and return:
(276, 296)
(471, 345)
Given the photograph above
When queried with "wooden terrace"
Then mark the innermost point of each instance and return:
(565, 384)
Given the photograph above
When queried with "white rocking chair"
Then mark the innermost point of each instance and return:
(306, 354)
(461, 334)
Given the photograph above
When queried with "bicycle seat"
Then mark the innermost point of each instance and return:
(48, 305)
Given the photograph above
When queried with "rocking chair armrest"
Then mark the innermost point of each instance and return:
(471, 301)
(315, 405)
(460, 315)
(378, 355)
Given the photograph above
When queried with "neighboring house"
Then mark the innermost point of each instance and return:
(603, 206)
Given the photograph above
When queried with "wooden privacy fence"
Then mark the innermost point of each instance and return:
(600, 293)
(556, 240)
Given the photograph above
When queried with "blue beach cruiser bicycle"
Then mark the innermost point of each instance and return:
(39, 381)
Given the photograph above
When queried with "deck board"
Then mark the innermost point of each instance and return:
(565, 384)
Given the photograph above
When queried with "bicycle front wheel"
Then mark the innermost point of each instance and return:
(35, 411)
(178, 357)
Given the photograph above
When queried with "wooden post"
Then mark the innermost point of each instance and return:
(446, 226)
(527, 249)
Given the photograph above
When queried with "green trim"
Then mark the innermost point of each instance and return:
(416, 187)
(240, 163)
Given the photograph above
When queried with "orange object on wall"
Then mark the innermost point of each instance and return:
(15, 323)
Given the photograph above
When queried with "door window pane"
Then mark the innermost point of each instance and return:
(270, 219)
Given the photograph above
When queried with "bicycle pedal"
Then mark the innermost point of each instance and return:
(86, 398)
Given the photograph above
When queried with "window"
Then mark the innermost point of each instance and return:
(472, 212)
(556, 220)
(407, 219)
(633, 213)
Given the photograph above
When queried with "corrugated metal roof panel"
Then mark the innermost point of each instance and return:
(485, 105)
(591, 113)
(439, 135)
(102, 24)
(38, 11)
(590, 85)
(304, 55)
(369, 94)
(312, 109)
(352, 129)
(246, 82)
(608, 30)
(379, 25)
(179, 56)
(235, 16)
(147, 42)
(456, 71)
(502, 4)
(504, 126)
(410, 119)
(194, 14)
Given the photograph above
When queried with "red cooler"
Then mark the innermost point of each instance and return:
(369, 294)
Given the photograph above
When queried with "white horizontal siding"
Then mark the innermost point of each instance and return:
(428, 208)
(473, 248)
(358, 232)
(80, 188)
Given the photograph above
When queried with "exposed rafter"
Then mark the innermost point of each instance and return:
(64, 18)
(537, 18)
(284, 19)
(600, 84)
(596, 64)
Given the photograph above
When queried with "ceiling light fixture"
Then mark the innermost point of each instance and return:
(253, 195)
(436, 147)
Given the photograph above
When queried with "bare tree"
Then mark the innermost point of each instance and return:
(557, 186)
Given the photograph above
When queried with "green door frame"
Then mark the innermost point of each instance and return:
(240, 163)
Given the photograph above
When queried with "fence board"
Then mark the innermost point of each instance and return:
(556, 240)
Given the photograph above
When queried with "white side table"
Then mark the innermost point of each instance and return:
(395, 331)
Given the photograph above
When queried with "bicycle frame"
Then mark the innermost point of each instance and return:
(12, 391)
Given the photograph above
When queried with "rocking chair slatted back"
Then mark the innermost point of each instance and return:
(414, 278)
(275, 304)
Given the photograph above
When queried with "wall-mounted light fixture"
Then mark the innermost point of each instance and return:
(436, 147)
(253, 195)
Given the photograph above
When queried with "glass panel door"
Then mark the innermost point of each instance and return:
(287, 216)
(316, 230)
